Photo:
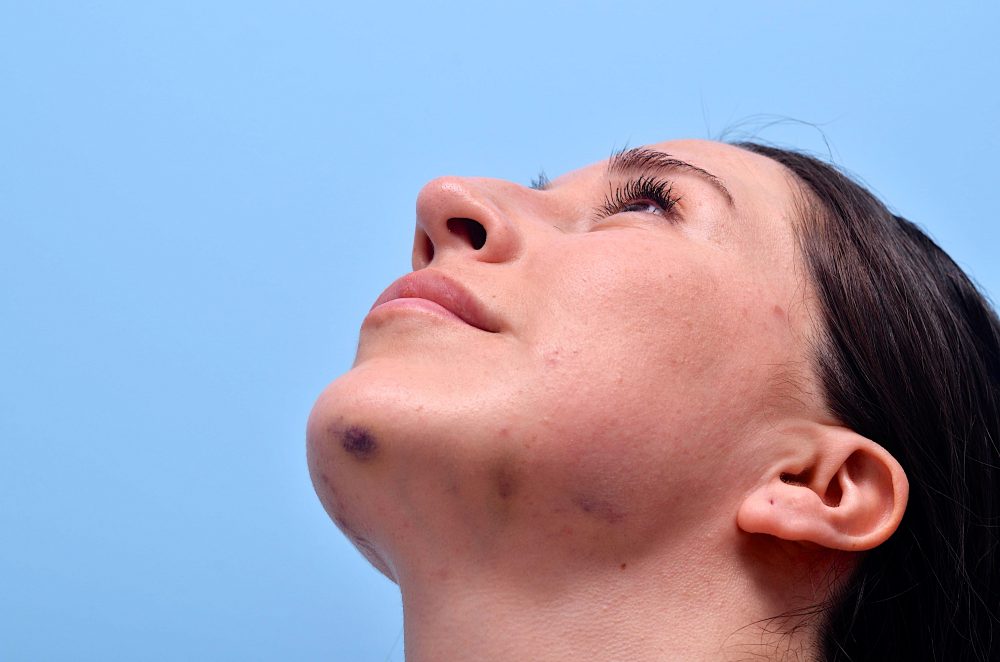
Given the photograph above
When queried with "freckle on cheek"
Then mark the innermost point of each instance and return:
(359, 443)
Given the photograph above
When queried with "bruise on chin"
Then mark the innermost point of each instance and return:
(359, 443)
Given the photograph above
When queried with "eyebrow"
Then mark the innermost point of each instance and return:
(643, 160)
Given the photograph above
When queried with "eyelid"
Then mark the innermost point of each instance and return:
(642, 188)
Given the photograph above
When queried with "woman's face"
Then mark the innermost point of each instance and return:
(617, 346)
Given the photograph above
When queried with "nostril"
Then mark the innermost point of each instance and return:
(428, 248)
(423, 249)
(472, 231)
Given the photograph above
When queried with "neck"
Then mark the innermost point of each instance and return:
(658, 608)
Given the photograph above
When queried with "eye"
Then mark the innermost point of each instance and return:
(643, 195)
(646, 206)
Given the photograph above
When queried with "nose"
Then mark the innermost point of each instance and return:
(460, 216)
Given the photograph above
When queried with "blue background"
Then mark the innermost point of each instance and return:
(200, 200)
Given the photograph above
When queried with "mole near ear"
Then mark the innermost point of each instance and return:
(359, 443)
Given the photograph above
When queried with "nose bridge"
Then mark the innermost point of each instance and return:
(469, 216)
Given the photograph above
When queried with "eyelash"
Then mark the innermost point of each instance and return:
(644, 189)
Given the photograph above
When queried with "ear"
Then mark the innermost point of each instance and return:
(837, 489)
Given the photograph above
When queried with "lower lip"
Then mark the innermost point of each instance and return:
(408, 304)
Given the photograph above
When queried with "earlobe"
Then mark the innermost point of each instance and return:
(848, 494)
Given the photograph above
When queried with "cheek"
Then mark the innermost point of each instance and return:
(661, 327)
(651, 363)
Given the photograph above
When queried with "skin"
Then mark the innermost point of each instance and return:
(597, 479)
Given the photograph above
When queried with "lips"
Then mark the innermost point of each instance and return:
(442, 290)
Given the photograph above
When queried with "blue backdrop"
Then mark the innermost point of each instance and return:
(200, 200)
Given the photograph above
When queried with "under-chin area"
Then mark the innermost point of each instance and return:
(334, 504)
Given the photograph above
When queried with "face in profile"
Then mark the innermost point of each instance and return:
(583, 371)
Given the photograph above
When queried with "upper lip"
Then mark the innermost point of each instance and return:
(444, 291)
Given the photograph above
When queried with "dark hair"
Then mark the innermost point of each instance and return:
(908, 356)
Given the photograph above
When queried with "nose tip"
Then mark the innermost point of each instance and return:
(460, 216)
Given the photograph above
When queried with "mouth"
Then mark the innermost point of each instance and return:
(434, 286)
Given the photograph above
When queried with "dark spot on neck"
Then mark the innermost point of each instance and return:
(359, 443)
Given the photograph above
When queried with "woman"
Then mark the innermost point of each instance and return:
(699, 402)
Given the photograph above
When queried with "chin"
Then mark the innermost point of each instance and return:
(379, 416)
(344, 450)
(345, 420)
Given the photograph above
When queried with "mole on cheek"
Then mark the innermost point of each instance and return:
(359, 443)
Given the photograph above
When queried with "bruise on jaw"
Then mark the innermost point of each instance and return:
(505, 485)
(598, 508)
(506, 481)
(359, 443)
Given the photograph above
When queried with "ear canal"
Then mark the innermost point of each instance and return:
(834, 492)
(801, 478)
